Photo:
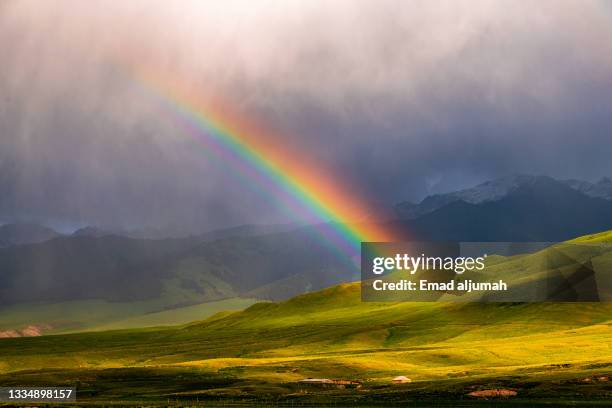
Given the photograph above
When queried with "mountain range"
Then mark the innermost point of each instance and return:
(524, 209)
(25, 233)
(278, 262)
(498, 189)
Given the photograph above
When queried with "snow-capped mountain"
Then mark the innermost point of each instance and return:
(601, 189)
(495, 190)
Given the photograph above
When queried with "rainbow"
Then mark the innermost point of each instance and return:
(256, 156)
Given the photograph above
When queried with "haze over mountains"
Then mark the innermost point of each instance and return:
(277, 262)
(25, 233)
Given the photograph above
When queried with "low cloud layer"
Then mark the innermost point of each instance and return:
(401, 98)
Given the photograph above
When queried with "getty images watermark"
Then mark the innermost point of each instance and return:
(486, 272)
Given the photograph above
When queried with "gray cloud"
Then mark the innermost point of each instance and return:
(401, 98)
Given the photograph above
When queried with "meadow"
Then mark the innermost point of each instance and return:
(548, 353)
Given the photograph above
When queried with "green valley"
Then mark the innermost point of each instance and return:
(543, 352)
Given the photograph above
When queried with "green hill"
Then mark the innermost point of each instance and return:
(75, 316)
(83, 282)
(543, 351)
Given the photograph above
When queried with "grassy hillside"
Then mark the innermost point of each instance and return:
(543, 351)
(180, 315)
(605, 236)
(82, 282)
(446, 348)
(66, 317)
(182, 271)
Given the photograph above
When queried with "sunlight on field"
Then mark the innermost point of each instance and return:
(269, 346)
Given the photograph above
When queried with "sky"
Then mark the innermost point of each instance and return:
(398, 99)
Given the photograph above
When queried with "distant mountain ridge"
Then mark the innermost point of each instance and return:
(182, 271)
(601, 189)
(92, 232)
(542, 209)
(25, 233)
(237, 231)
(497, 189)
(282, 261)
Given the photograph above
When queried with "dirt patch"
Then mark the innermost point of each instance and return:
(603, 378)
(32, 330)
(495, 393)
(9, 333)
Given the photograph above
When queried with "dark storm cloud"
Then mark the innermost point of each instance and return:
(401, 98)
